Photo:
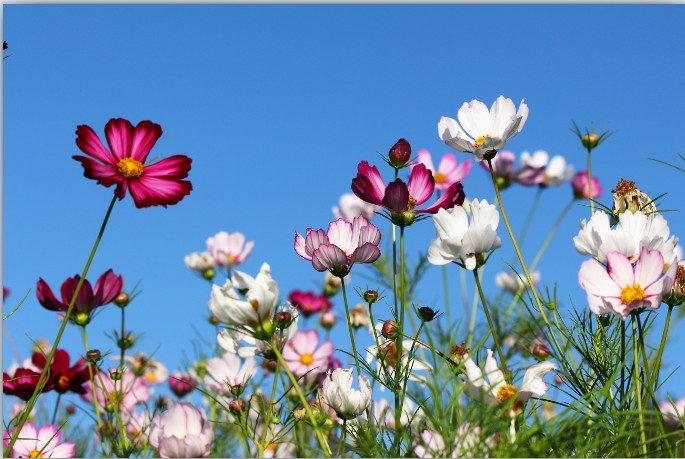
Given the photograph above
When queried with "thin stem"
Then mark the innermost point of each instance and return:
(54, 413)
(343, 439)
(623, 359)
(296, 386)
(502, 357)
(349, 327)
(421, 343)
(551, 234)
(529, 218)
(261, 447)
(399, 396)
(654, 377)
(48, 361)
(447, 297)
(96, 403)
(638, 389)
(589, 182)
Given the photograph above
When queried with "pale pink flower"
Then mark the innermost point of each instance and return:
(229, 249)
(430, 444)
(134, 390)
(449, 171)
(673, 414)
(503, 168)
(303, 357)
(350, 206)
(137, 423)
(621, 288)
(339, 248)
(46, 442)
(182, 431)
(226, 375)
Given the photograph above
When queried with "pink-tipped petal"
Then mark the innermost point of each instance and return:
(155, 191)
(447, 164)
(460, 172)
(620, 270)
(369, 233)
(88, 142)
(325, 351)
(314, 240)
(424, 157)
(595, 280)
(340, 234)
(396, 196)
(368, 185)
(144, 138)
(421, 184)
(300, 248)
(649, 267)
(119, 133)
(328, 256)
(367, 253)
(173, 167)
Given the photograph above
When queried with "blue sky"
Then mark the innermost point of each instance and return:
(277, 104)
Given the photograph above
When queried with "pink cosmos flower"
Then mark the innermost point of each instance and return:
(229, 249)
(134, 390)
(503, 168)
(309, 303)
(448, 172)
(351, 206)
(123, 165)
(430, 444)
(181, 385)
(182, 431)
(343, 245)
(581, 190)
(43, 442)
(107, 287)
(621, 288)
(400, 198)
(302, 356)
(672, 412)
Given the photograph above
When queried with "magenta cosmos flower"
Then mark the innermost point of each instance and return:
(621, 288)
(107, 287)
(401, 199)
(309, 303)
(581, 189)
(303, 357)
(123, 165)
(449, 170)
(43, 442)
(343, 245)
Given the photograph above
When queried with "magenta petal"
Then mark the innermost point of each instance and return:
(47, 299)
(369, 233)
(107, 287)
(328, 256)
(313, 240)
(105, 174)
(156, 191)
(368, 185)
(144, 138)
(119, 133)
(89, 143)
(454, 196)
(421, 184)
(84, 300)
(396, 196)
(173, 167)
(367, 253)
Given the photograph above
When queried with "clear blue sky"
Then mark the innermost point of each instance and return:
(276, 105)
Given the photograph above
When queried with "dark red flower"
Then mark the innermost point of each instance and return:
(107, 287)
(22, 383)
(309, 303)
(123, 165)
(63, 377)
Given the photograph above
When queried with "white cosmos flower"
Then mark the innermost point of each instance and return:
(384, 415)
(557, 171)
(511, 282)
(226, 372)
(350, 206)
(495, 390)
(633, 232)
(199, 262)
(258, 305)
(460, 238)
(337, 392)
(483, 131)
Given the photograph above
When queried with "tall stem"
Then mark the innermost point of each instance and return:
(48, 361)
(447, 297)
(529, 218)
(654, 377)
(551, 234)
(349, 327)
(261, 447)
(502, 357)
(54, 413)
(589, 182)
(638, 388)
(399, 396)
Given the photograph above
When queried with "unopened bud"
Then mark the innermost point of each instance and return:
(127, 341)
(558, 378)
(122, 300)
(270, 365)
(237, 406)
(283, 319)
(264, 331)
(590, 140)
(214, 320)
(331, 285)
(400, 153)
(237, 389)
(328, 320)
(426, 314)
(370, 296)
(115, 375)
(390, 329)
(162, 403)
(676, 296)
(209, 273)
(541, 352)
(93, 356)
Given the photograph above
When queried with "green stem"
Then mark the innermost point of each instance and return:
(502, 357)
(343, 439)
(54, 413)
(654, 377)
(261, 447)
(91, 376)
(551, 234)
(447, 297)
(48, 361)
(638, 389)
(399, 395)
(349, 326)
(589, 182)
(296, 386)
(441, 354)
(529, 218)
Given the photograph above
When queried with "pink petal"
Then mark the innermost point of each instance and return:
(85, 295)
(153, 191)
(107, 287)
(340, 234)
(146, 135)
(620, 270)
(47, 299)
(119, 133)
(367, 253)
(173, 167)
(48, 435)
(368, 185)
(448, 163)
(104, 173)
(424, 157)
(66, 449)
(454, 196)
(313, 240)
(421, 184)
(396, 196)
(649, 267)
(594, 279)
(89, 143)
(460, 173)
(325, 351)
(369, 233)
(300, 248)
(328, 256)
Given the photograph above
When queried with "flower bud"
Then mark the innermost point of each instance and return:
(328, 319)
(127, 341)
(213, 320)
(331, 285)
(115, 375)
(541, 352)
(558, 378)
(209, 274)
(93, 356)
(581, 189)
(370, 296)
(236, 390)
(122, 300)
(162, 403)
(264, 331)
(283, 319)
(237, 406)
(81, 318)
(359, 316)
(426, 314)
(399, 154)
(181, 385)
(676, 296)
(590, 140)
(390, 329)
(71, 409)
(270, 365)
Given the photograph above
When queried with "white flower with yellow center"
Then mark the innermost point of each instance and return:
(481, 131)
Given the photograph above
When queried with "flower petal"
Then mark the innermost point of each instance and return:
(144, 138)
(368, 185)
(105, 174)
(367, 253)
(47, 299)
(173, 167)
(300, 247)
(89, 143)
(649, 267)
(156, 191)
(450, 133)
(396, 196)
(594, 279)
(119, 133)
(328, 256)
(454, 196)
(620, 270)
(475, 118)
(532, 381)
(421, 184)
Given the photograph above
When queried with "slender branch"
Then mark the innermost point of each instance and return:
(502, 357)
(349, 327)
(638, 389)
(589, 182)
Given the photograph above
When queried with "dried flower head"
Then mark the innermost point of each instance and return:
(629, 197)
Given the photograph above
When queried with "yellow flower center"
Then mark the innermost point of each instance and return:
(36, 453)
(306, 359)
(150, 377)
(480, 141)
(272, 447)
(130, 168)
(505, 392)
(439, 177)
(632, 293)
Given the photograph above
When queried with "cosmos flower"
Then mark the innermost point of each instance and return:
(63, 377)
(538, 169)
(309, 303)
(43, 442)
(449, 170)
(229, 249)
(227, 375)
(581, 189)
(181, 384)
(134, 390)
(338, 394)
(302, 355)
(350, 206)
(123, 165)
(481, 131)
(182, 431)
(512, 282)
(429, 444)
(673, 414)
